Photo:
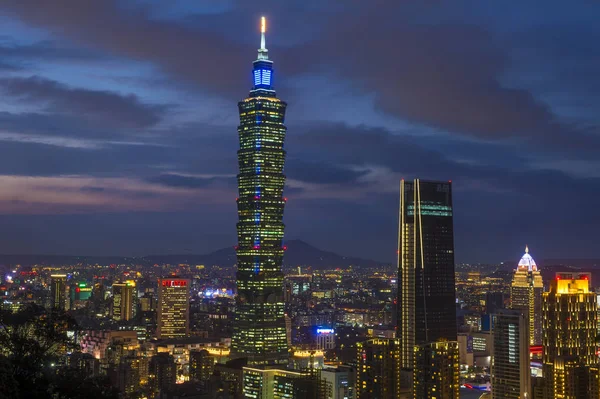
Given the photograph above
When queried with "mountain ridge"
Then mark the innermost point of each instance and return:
(298, 253)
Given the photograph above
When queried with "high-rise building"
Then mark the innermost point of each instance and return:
(426, 292)
(526, 295)
(173, 316)
(569, 339)
(511, 372)
(436, 371)
(426, 311)
(259, 330)
(122, 300)
(58, 291)
(378, 369)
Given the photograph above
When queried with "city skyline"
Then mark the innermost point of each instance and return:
(127, 131)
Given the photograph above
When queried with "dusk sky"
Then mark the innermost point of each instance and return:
(118, 122)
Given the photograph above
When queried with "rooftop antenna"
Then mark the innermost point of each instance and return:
(263, 52)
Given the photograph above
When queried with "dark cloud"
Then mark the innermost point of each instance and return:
(45, 50)
(128, 31)
(181, 181)
(6, 67)
(104, 106)
(320, 172)
(91, 189)
(445, 75)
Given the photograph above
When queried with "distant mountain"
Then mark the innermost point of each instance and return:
(57, 260)
(298, 253)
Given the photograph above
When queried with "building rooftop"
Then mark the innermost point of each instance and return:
(527, 262)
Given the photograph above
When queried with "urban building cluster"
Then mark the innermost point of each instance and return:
(421, 329)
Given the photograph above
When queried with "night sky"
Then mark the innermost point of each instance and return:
(118, 122)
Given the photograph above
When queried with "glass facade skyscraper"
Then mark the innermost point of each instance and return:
(259, 324)
(426, 292)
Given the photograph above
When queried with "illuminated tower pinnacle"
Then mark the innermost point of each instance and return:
(263, 53)
(259, 330)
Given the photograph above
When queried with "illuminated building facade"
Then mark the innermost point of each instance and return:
(259, 325)
(58, 291)
(426, 288)
(338, 382)
(569, 339)
(80, 295)
(162, 374)
(202, 365)
(526, 295)
(325, 338)
(173, 316)
(511, 374)
(426, 314)
(436, 371)
(261, 383)
(378, 369)
(123, 300)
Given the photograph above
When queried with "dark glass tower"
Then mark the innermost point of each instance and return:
(426, 292)
(259, 325)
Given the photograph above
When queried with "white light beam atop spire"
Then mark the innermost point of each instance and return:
(263, 30)
(263, 52)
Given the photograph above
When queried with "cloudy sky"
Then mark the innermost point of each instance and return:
(118, 122)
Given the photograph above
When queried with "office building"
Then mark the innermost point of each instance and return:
(378, 369)
(526, 295)
(337, 382)
(426, 311)
(426, 293)
(123, 300)
(569, 339)
(126, 375)
(325, 338)
(173, 318)
(202, 365)
(266, 383)
(494, 301)
(58, 291)
(162, 373)
(79, 295)
(436, 371)
(259, 329)
(511, 374)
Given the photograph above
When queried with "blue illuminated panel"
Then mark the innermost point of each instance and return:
(262, 77)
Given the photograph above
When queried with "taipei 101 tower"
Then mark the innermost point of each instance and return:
(259, 325)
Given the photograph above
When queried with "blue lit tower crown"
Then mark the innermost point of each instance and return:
(259, 325)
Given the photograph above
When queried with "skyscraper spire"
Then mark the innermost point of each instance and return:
(263, 53)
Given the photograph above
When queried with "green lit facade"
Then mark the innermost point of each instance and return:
(259, 324)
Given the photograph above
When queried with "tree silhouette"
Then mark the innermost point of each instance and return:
(33, 345)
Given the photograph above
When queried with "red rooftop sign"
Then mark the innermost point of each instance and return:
(174, 283)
